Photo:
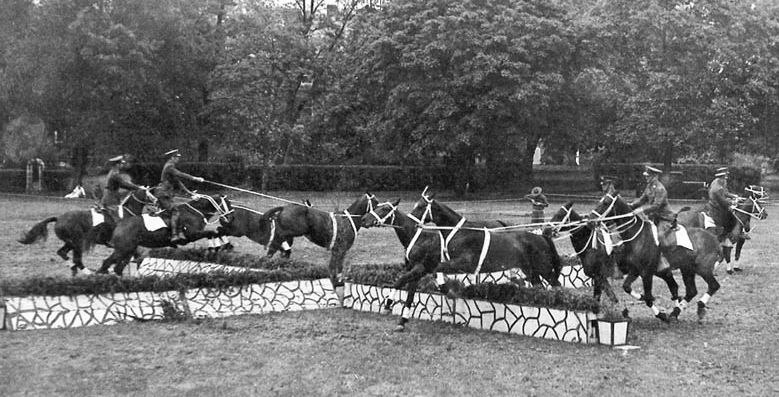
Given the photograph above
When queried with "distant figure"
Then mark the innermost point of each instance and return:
(78, 192)
(608, 184)
(539, 202)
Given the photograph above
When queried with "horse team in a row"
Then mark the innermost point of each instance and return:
(468, 246)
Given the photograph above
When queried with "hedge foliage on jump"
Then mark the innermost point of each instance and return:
(281, 270)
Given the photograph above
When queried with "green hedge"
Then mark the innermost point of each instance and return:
(54, 180)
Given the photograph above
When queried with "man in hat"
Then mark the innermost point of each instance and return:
(654, 200)
(608, 184)
(718, 206)
(118, 185)
(171, 184)
(539, 202)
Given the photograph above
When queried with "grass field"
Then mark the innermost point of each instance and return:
(734, 351)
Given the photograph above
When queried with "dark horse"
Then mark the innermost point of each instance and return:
(132, 232)
(546, 261)
(75, 228)
(642, 254)
(473, 250)
(334, 231)
(737, 224)
(249, 223)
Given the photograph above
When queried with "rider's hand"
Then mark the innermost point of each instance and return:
(637, 211)
(199, 179)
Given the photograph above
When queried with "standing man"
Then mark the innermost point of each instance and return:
(170, 185)
(538, 202)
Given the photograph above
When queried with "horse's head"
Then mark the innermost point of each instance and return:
(211, 205)
(610, 205)
(363, 205)
(423, 208)
(380, 214)
(749, 208)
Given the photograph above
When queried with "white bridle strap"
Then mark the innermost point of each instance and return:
(484, 248)
(414, 241)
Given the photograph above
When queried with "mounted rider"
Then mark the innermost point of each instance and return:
(654, 200)
(171, 184)
(608, 184)
(118, 186)
(719, 205)
(654, 204)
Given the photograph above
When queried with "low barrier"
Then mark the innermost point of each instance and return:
(47, 312)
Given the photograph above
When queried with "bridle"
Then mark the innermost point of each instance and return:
(427, 215)
(222, 208)
(150, 199)
(382, 220)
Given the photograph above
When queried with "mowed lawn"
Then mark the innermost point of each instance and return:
(734, 351)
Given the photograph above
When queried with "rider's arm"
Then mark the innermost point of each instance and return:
(181, 174)
(124, 181)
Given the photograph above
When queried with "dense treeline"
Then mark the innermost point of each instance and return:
(412, 82)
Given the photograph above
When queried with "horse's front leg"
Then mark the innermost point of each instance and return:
(673, 287)
(405, 280)
(336, 271)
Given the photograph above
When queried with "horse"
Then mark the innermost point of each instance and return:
(76, 229)
(471, 249)
(334, 231)
(249, 223)
(547, 263)
(737, 224)
(642, 255)
(132, 232)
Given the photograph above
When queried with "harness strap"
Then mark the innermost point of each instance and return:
(272, 231)
(484, 248)
(351, 221)
(413, 241)
(335, 232)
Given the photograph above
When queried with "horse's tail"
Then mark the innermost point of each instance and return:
(39, 231)
(557, 264)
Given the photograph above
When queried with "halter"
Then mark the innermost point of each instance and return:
(427, 215)
(619, 228)
(222, 209)
(389, 215)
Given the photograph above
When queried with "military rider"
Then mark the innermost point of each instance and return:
(171, 184)
(720, 201)
(118, 185)
(654, 203)
(608, 184)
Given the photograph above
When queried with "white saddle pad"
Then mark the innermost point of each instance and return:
(708, 221)
(153, 223)
(97, 218)
(683, 238)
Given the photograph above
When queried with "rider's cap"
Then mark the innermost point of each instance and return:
(722, 171)
(607, 178)
(535, 191)
(648, 169)
(173, 153)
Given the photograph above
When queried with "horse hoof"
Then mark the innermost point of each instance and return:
(625, 313)
(228, 247)
(662, 316)
(729, 271)
(675, 313)
(737, 269)
(701, 310)
(400, 328)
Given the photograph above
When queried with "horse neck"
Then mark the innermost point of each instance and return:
(359, 207)
(405, 227)
(443, 215)
(579, 234)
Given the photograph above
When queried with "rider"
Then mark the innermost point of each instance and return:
(654, 200)
(171, 184)
(118, 185)
(720, 201)
(654, 203)
(539, 202)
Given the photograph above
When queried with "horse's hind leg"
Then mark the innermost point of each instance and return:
(409, 280)
(673, 287)
(646, 279)
(78, 263)
(737, 255)
(713, 286)
(63, 251)
(112, 259)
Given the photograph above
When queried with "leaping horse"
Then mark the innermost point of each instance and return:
(334, 231)
(547, 264)
(473, 250)
(193, 216)
(80, 230)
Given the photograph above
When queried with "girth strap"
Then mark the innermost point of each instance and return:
(335, 232)
(484, 248)
(413, 241)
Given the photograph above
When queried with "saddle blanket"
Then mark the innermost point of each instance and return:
(707, 221)
(97, 218)
(682, 237)
(153, 223)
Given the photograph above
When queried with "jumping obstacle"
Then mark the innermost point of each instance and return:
(48, 312)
